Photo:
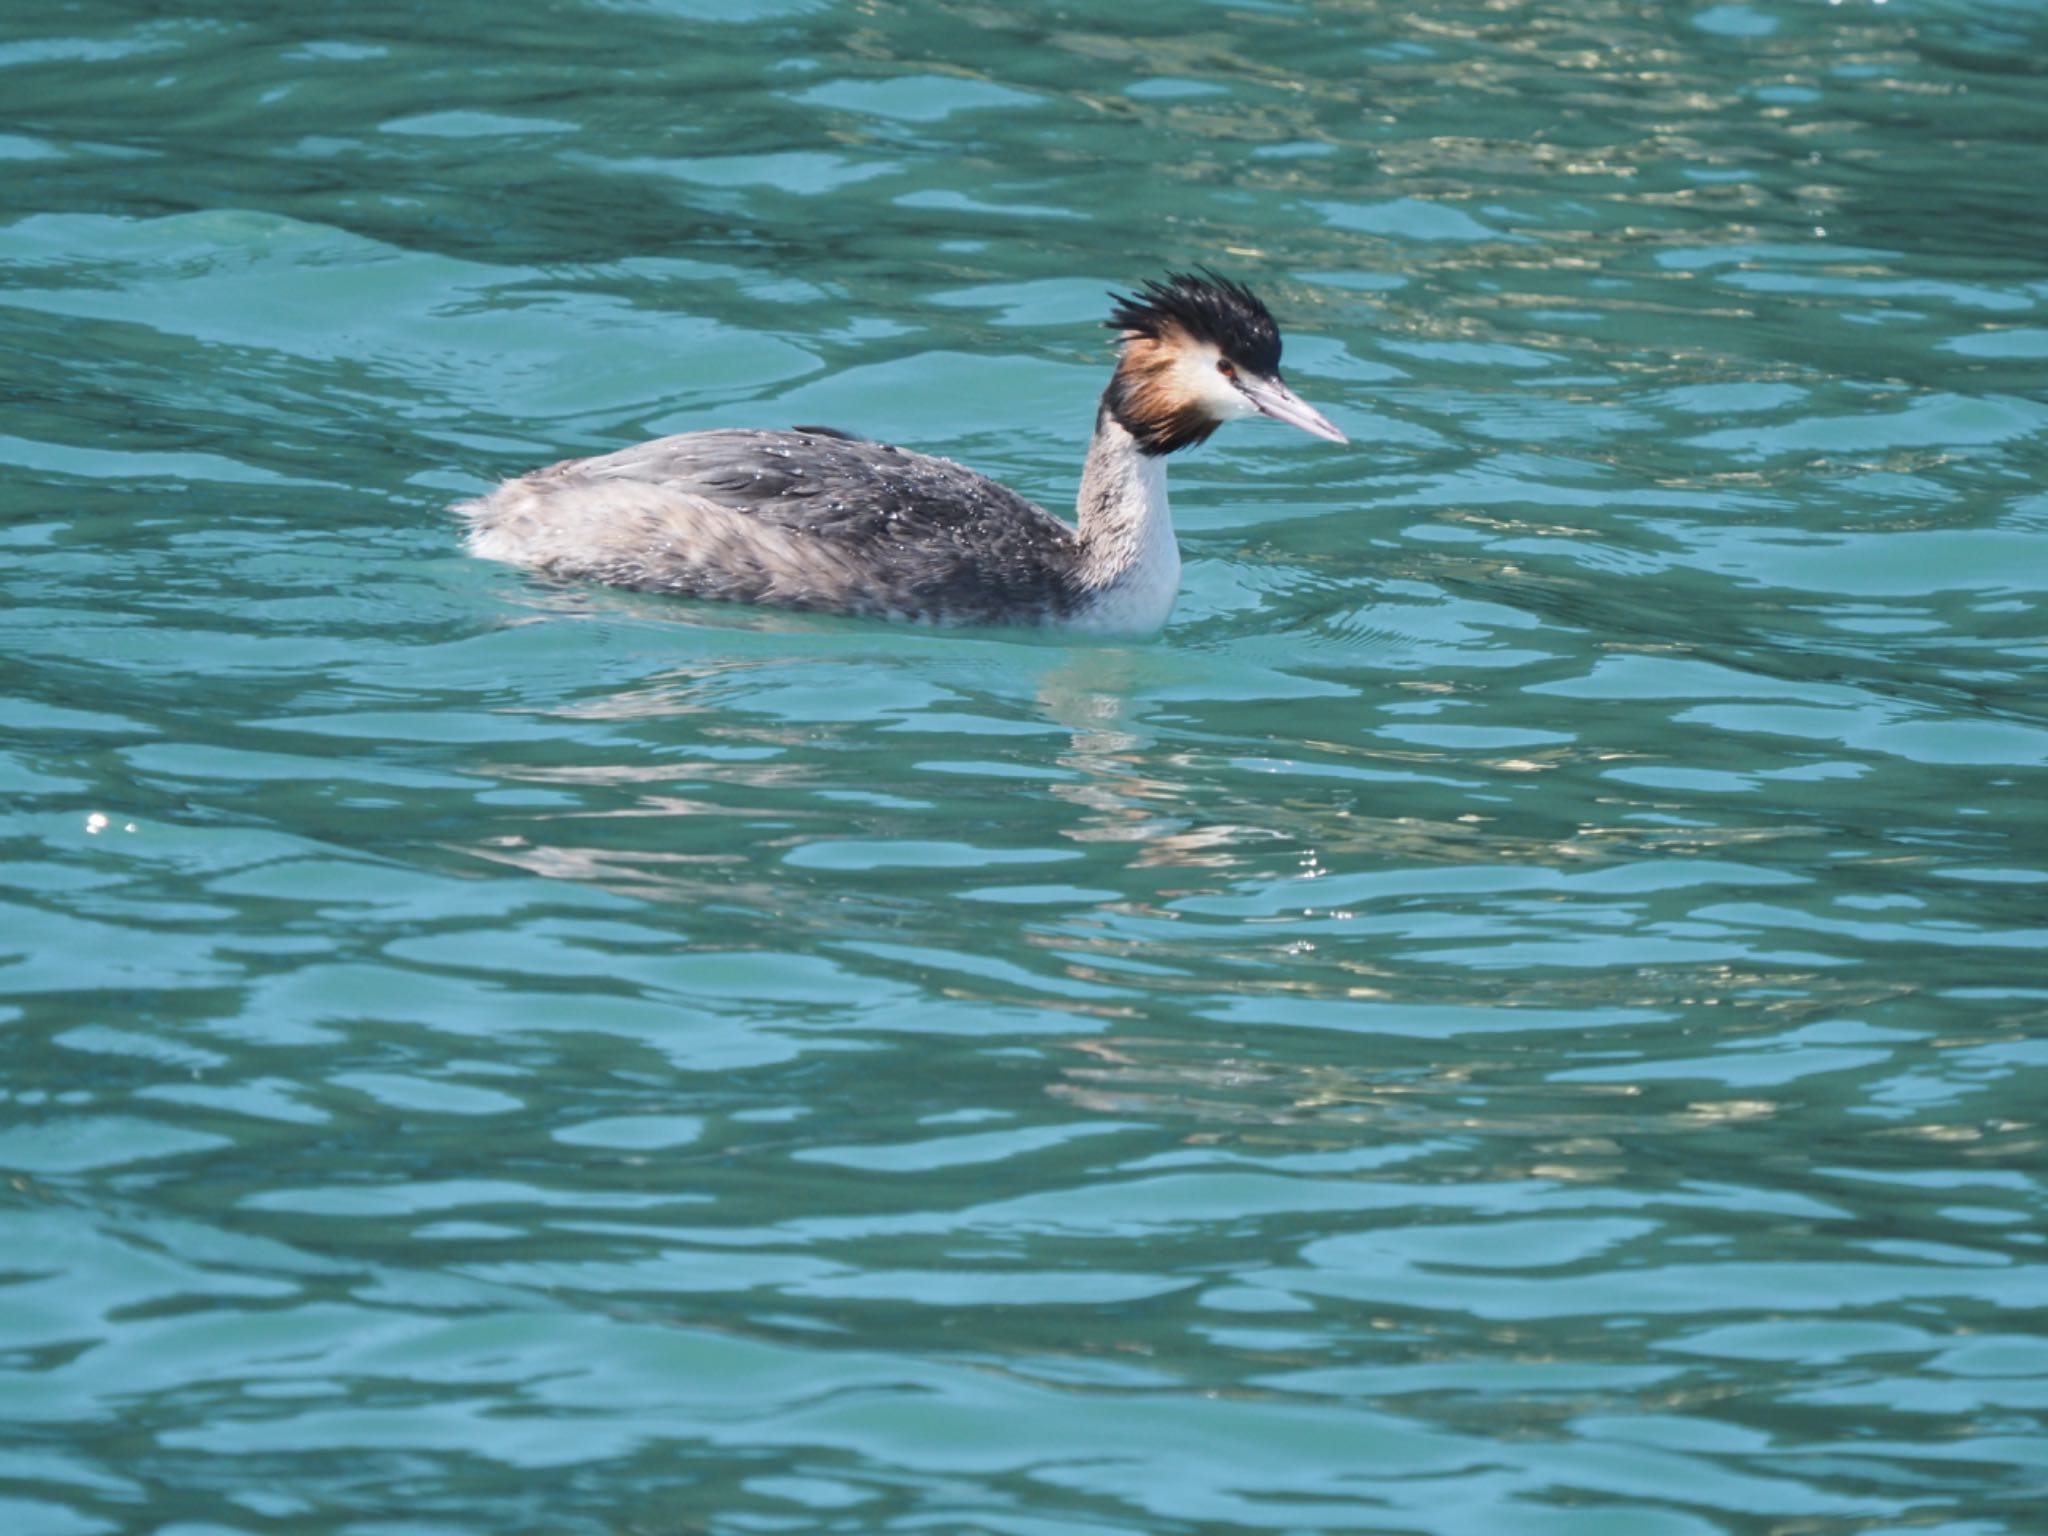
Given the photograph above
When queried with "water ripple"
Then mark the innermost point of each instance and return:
(1520, 1012)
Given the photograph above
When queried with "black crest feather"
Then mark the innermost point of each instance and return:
(1209, 308)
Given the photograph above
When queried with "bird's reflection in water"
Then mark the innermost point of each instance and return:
(1271, 1031)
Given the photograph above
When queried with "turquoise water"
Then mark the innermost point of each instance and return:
(1521, 1014)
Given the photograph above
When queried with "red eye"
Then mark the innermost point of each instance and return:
(1226, 367)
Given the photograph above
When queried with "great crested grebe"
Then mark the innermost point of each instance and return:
(815, 519)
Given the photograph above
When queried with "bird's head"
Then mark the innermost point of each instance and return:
(1199, 350)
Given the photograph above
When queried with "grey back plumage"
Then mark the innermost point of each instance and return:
(806, 519)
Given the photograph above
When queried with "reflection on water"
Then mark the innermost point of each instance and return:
(1516, 1013)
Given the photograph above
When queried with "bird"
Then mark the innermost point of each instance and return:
(819, 520)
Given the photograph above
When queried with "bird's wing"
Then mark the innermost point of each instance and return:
(832, 485)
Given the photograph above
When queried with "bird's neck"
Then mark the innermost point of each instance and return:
(1126, 527)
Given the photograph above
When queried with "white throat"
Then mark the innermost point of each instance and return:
(1130, 562)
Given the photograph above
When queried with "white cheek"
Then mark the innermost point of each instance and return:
(1196, 377)
(1230, 402)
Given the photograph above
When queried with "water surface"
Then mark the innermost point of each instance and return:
(1521, 1012)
